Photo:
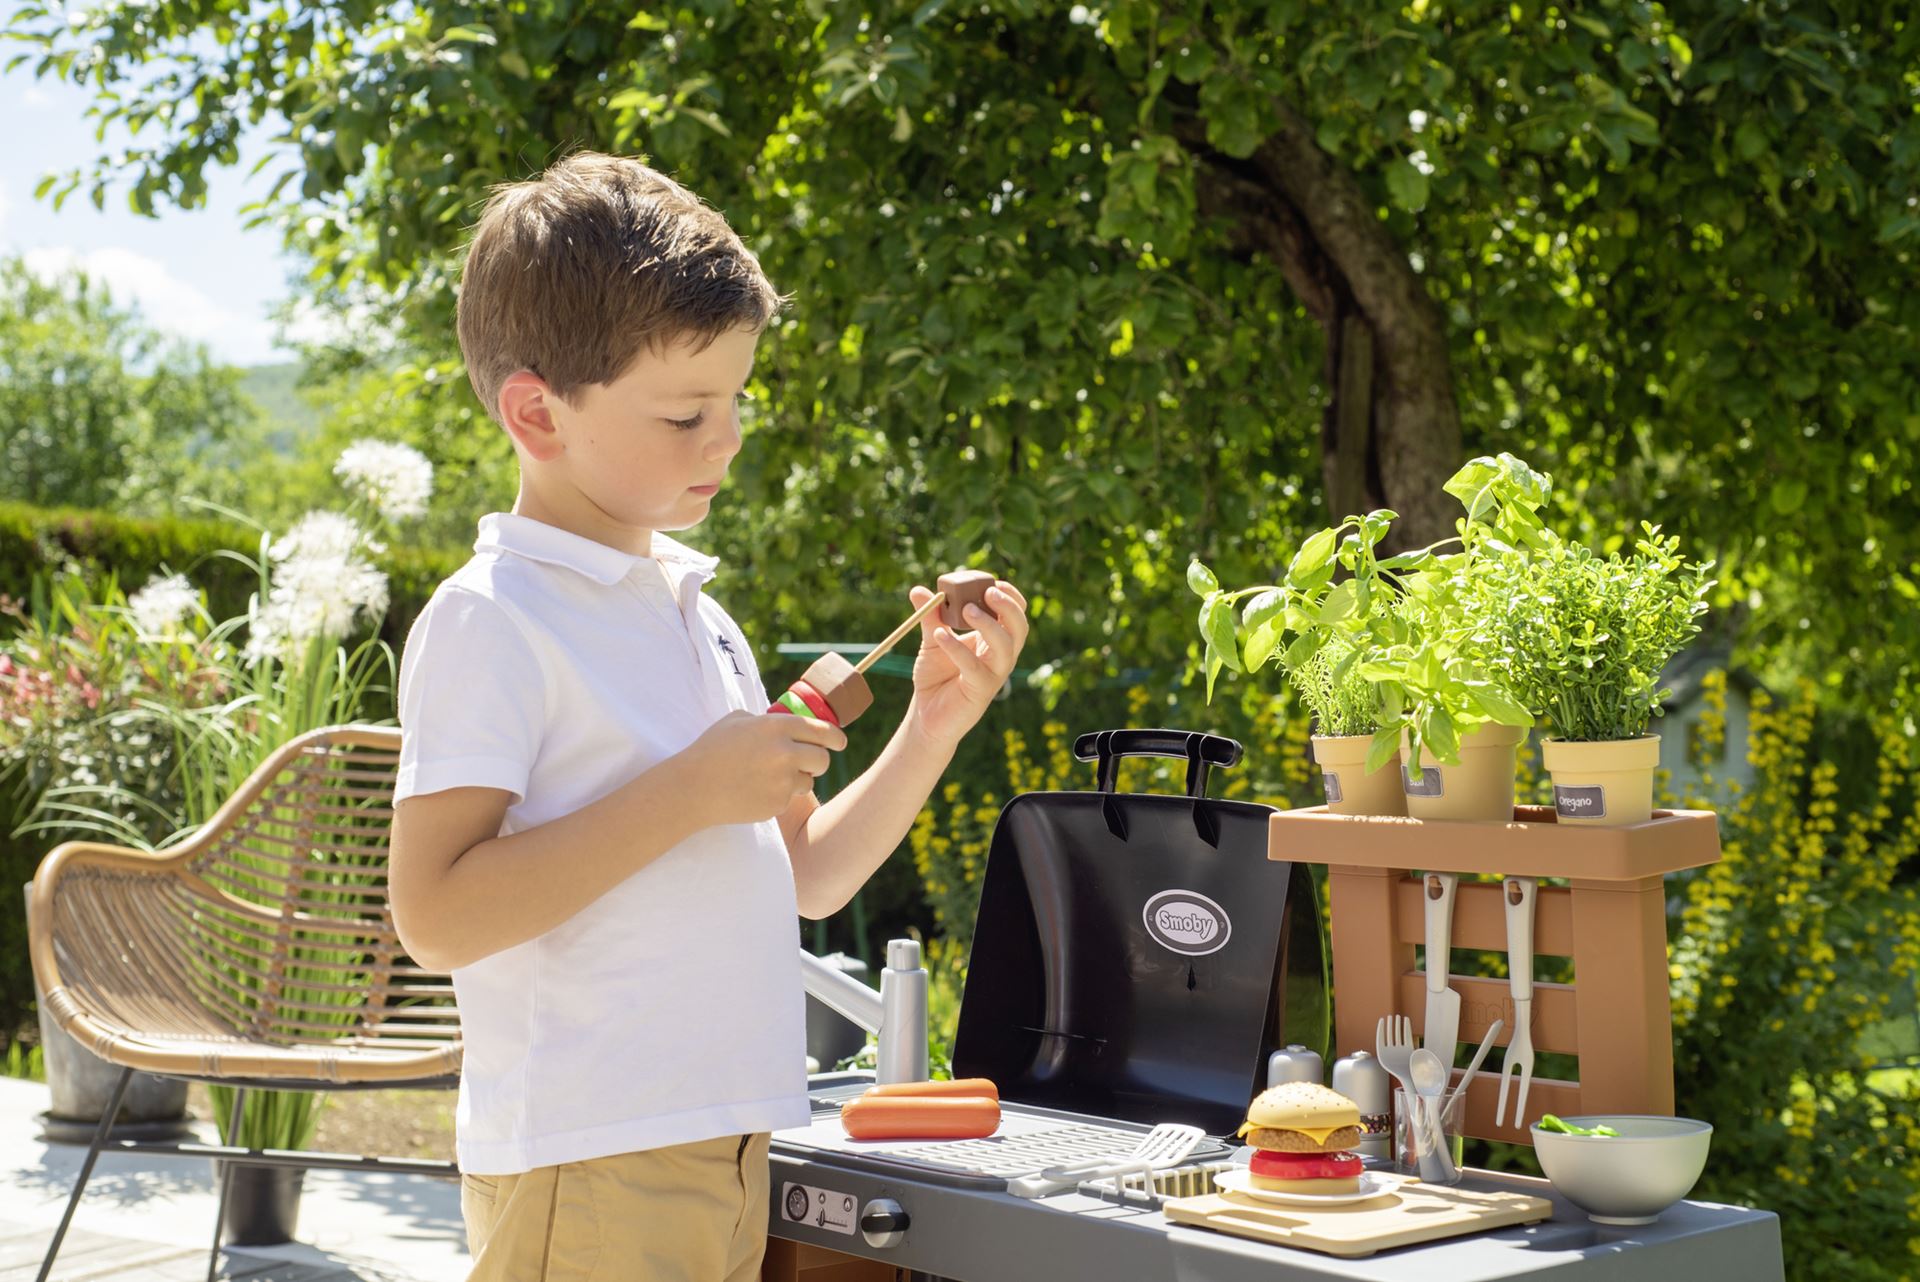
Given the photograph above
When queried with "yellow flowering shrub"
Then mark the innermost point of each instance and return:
(1782, 955)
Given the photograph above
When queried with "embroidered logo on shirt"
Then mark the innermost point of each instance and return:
(726, 648)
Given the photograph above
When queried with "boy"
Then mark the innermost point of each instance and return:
(598, 829)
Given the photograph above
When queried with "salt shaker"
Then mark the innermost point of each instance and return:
(1296, 1063)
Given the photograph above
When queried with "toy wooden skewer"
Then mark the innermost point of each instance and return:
(879, 652)
(836, 692)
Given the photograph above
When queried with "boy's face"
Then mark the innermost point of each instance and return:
(650, 449)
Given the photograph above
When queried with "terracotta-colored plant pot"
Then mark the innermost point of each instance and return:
(1602, 783)
(1480, 787)
(1350, 789)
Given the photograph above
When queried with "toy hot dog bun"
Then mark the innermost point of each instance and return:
(921, 1117)
(961, 1087)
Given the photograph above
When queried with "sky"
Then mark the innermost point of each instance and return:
(199, 274)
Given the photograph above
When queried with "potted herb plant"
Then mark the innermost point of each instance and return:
(1346, 713)
(1318, 631)
(1448, 709)
(1583, 639)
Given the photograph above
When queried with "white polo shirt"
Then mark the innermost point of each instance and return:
(670, 1010)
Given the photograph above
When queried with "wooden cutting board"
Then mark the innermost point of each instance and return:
(1413, 1212)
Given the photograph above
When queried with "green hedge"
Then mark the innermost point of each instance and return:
(36, 541)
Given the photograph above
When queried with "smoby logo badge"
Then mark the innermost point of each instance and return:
(1187, 922)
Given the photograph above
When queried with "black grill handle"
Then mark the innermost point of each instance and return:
(1200, 751)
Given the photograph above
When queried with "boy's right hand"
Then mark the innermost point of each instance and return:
(749, 766)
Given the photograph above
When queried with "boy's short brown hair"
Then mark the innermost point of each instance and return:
(574, 273)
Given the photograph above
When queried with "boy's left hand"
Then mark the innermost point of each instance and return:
(956, 676)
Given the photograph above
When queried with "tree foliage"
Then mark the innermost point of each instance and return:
(97, 409)
(1082, 292)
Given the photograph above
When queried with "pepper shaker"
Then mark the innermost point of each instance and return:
(1361, 1078)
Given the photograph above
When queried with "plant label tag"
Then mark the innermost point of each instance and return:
(1427, 785)
(1331, 782)
(1582, 802)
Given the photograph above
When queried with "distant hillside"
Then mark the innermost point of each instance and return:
(272, 387)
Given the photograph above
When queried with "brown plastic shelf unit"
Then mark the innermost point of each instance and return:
(1610, 919)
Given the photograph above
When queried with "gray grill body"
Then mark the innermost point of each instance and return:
(963, 1225)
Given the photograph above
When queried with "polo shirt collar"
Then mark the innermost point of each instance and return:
(537, 541)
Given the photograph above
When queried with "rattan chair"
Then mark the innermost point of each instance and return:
(259, 954)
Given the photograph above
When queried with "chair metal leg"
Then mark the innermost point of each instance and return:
(226, 1182)
(100, 1133)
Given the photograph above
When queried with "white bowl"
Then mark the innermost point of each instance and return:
(1629, 1178)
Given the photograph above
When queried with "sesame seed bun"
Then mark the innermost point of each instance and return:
(1302, 1117)
(1292, 1106)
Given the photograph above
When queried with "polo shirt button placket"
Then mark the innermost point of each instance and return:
(714, 674)
(651, 587)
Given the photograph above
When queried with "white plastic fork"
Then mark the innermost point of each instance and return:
(1518, 892)
(1165, 1146)
(1393, 1044)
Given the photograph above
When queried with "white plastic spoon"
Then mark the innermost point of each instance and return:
(1430, 1080)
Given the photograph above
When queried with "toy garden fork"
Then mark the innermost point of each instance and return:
(1519, 894)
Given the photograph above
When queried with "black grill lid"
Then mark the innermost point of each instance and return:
(1138, 956)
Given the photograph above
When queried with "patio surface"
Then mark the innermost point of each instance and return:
(145, 1219)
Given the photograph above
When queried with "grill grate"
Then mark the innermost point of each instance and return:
(1014, 1155)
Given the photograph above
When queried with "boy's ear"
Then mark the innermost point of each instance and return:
(526, 410)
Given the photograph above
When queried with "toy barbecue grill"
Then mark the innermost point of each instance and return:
(1136, 958)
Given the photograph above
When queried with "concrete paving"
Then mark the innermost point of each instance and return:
(152, 1217)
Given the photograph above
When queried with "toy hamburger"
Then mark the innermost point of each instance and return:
(1303, 1135)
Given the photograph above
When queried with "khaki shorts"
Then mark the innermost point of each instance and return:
(689, 1213)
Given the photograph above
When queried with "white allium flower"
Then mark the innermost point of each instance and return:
(162, 605)
(397, 479)
(321, 535)
(315, 594)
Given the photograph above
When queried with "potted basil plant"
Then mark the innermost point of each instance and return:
(1318, 631)
(1450, 712)
(1586, 637)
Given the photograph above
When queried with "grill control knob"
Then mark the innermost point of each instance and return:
(883, 1222)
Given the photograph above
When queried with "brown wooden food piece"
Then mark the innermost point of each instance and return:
(963, 588)
(845, 690)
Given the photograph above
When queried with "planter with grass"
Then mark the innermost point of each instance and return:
(1347, 712)
(1584, 638)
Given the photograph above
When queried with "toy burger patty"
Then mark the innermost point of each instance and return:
(1302, 1134)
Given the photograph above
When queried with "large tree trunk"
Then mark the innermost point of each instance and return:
(1391, 433)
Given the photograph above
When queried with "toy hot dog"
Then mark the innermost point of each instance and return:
(921, 1117)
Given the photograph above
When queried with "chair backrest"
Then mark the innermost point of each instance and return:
(282, 905)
